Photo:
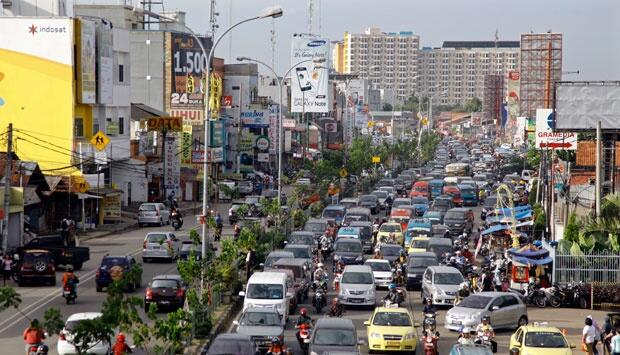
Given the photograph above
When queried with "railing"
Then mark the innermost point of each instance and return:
(603, 266)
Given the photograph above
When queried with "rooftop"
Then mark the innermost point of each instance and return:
(480, 44)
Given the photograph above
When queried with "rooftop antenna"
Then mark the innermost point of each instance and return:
(213, 19)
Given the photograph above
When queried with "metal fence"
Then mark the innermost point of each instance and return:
(603, 266)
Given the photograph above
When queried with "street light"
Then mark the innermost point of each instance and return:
(272, 12)
(280, 80)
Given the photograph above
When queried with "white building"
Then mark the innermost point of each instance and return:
(33, 8)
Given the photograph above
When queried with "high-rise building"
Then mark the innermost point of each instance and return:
(455, 72)
(33, 8)
(388, 60)
(337, 61)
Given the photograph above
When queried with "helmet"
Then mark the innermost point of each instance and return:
(465, 247)
(458, 252)
(486, 318)
(429, 300)
(43, 349)
(275, 340)
(452, 258)
(320, 265)
(377, 250)
(69, 268)
(464, 284)
(303, 312)
(392, 286)
(120, 338)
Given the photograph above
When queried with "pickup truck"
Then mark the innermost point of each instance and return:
(63, 255)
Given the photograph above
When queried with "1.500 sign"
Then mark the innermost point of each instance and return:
(192, 62)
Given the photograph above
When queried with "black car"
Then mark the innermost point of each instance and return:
(165, 291)
(227, 343)
(371, 202)
(365, 234)
(189, 248)
(459, 220)
(116, 268)
(416, 265)
(391, 252)
(440, 231)
(348, 251)
(36, 265)
(442, 203)
(62, 254)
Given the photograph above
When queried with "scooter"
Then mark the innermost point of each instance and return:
(304, 337)
(177, 223)
(430, 342)
(318, 301)
(484, 338)
(38, 349)
(430, 322)
(69, 294)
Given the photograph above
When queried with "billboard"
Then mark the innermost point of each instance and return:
(580, 105)
(255, 118)
(186, 64)
(105, 69)
(512, 95)
(546, 138)
(85, 46)
(172, 165)
(36, 87)
(309, 88)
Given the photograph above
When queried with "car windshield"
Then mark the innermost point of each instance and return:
(332, 213)
(390, 228)
(442, 202)
(31, 257)
(265, 291)
(379, 266)
(422, 262)
(351, 277)
(301, 239)
(391, 251)
(112, 261)
(156, 238)
(419, 244)
(545, 340)
(440, 249)
(380, 194)
(454, 215)
(393, 319)
(260, 318)
(490, 202)
(335, 337)
(251, 200)
(161, 283)
(348, 247)
(474, 301)
(270, 260)
(188, 247)
(148, 208)
(315, 227)
(467, 190)
(368, 198)
(448, 279)
(419, 201)
(421, 188)
(230, 346)
(300, 252)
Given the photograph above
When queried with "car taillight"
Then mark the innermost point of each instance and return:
(144, 244)
(180, 292)
(52, 268)
(149, 293)
(97, 274)
(62, 336)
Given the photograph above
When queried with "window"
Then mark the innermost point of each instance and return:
(121, 74)
(121, 125)
(95, 128)
(78, 127)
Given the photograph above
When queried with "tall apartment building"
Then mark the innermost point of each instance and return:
(454, 73)
(388, 60)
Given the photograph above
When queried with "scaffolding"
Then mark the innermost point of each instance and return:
(541, 67)
(492, 100)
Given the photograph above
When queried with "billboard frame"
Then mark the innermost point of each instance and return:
(605, 126)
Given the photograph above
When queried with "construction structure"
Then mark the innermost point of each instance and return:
(492, 101)
(541, 67)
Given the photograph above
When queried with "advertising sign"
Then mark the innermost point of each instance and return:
(216, 132)
(255, 118)
(309, 88)
(274, 129)
(105, 68)
(187, 64)
(512, 95)
(186, 144)
(361, 116)
(215, 155)
(262, 157)
(289, 123)
(331, 127)
(288, 140)
(227, 101)
(190, 116)
(519, 138)
(262, 143)
(246, 142)
(172, 166)
(112, 206)
(112, 128)
(170, 124)
(546, 138)
(86, 83)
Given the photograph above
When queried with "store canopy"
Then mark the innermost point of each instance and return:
(528, 261)
(523, 215)
(513, 211)
(139, 111)
(529, 251)
(496, 228)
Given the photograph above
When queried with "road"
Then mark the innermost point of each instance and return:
(37, 299)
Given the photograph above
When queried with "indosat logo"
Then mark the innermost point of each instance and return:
(317, 43)
(32, 29)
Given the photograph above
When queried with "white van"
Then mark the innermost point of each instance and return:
(267, 289)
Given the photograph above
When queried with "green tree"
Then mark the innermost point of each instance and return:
(533, 156)
(88, 332)
(473, 105)
(533, 192)
(53, 321)
(603, 233)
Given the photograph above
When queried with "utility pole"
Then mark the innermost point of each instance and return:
(597, 192)
(8, 173)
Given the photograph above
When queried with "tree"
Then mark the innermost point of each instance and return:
(387, 107)
(603, 232)
(473, 105)
(88, 332)
(571, 231)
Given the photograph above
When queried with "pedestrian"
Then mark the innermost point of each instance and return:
(588, 337)
(615, 342)
(64, 230)
(598, 331)
(7, 265)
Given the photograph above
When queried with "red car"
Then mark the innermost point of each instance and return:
(421, 188)
(455, 193)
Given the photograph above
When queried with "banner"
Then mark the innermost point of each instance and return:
(186, 144)
(105, 69)
(273, 129)
(187, 65)
(309, 86)
(190, 116)
(172, 166)
(255, 118)
(86, 83)
(512, 96)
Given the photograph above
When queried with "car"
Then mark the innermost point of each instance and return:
(505, 309)
(389, 189)
(391, 329)
(539, 339)
(316, 226)
(348, 232)
(165, 291)
(440, 246)
(36, 265)
(233, 212)
(61, 253)
(382, 196)
(417, 263)
(153, 213)
(189, 248)
(420, 188)
(365, 229)
(371, 202)
(401, 202)
(468, 194)
(357, 286)
(442, 203)
(302, 238)
(440, 231)
(301, 251)
(65, 337)
(117, 268)
(436, 217)
(459, 220)
(389, 228)
(262, 324)
(470, 349)
(417, 227)
(455, 193)
(420, 205)
(350, 202)
(334, 213)
(160, 245)
(334, 334)
(274, 256)
(348, 251)
(441, 283)
(382, 271)
(233, 343)
(245, 187)
(391, 252)
(299, 273)
(418, 244)
(303, 182)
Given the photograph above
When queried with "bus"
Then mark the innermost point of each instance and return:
(458, 169)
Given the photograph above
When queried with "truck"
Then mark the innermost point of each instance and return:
(62, 254)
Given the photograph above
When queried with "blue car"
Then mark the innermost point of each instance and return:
(436, 187)
(468, 194)
(420, 205)
(436, 217)
(114, 268)
(415, 225)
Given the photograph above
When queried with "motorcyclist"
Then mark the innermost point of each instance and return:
(176, 216)
(393, 295)
(236, 231)
(466, 337)
(377, 254)
(319, 273)
(459, 258)
(467, 254)
(485, 328)
(337, 308)
(33, 335)
(303, 319)
(219, 224)
(120, 347)
(429, 307)
(70, 280)
(276, 348)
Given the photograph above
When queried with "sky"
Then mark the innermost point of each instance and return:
(591, 28)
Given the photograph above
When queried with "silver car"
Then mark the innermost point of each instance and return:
(357, 286)
(441, 283)
(160, 245)
(153, 213)
(262, 324)
(505, 309)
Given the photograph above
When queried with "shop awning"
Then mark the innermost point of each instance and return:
(82, 196)
(528, 261)
(30, 196)
(139, 111)
(496, 228)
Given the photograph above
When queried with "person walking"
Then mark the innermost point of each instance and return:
(615, 342)
(588, 337)
(7, 265)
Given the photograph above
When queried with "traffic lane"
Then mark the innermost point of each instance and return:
(89, 300)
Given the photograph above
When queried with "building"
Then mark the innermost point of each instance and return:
(541, 66)
(492, 102)
(337, 61)
(455, 72)
(37, 8)
(388, 60)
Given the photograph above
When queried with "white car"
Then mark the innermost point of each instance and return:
(65, 338)
(381, 270)
(160, 245)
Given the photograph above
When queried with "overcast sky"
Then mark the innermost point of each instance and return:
(591, 28)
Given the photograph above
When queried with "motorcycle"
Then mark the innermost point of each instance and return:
(304, 336)
(318, 301)
(430, 343)
(38, 349)
(69, 294)
(485, 338)
(177, 223)
(282, 351)
(553, 296)
(534, 296)
(320, 284)
(430, 322)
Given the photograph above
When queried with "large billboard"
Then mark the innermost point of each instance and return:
(512, 94)
(546, 138)
(580, 105)
(36, 88)
(105, 68)
(309, 87)
(86, 83)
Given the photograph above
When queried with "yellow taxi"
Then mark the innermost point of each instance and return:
(391, 329)
(539, 339)
(418, 245)
(388, 228)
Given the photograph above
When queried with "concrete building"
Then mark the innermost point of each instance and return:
(388, 60)
(33, 8)
(458, 68)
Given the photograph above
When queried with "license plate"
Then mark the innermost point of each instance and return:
(457, 322)
(164, 302)
(393, 343)
(355, 300)
(156, 247)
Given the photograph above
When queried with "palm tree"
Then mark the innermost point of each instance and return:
(603, 232)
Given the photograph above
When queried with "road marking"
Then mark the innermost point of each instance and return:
(38, 304)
